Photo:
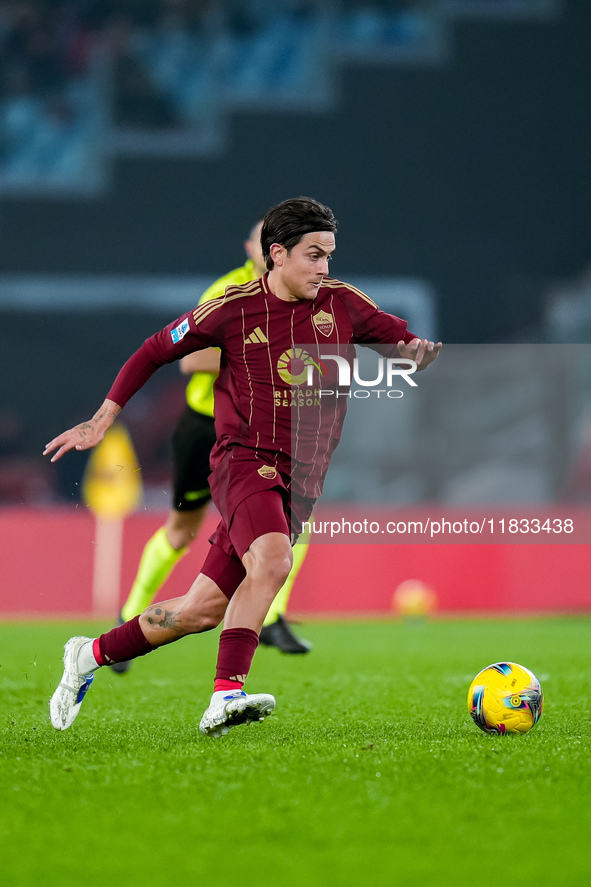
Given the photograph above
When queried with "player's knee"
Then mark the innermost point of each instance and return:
(273, 568)
(283, 568)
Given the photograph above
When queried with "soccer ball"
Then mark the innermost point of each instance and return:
(505, 698)
(413, 598)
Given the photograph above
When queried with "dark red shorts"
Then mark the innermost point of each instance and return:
(258, 514)
(252, 494)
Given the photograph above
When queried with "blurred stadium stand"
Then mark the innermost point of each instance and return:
(162, 76)
(53, 110)
(84, 78)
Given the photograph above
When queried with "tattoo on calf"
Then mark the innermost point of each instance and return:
(161, 618)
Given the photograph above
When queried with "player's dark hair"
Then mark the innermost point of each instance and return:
(287, 223)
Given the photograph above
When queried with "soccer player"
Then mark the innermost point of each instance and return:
(193, 440)
(275, 437)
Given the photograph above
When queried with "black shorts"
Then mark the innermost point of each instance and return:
(192, 441)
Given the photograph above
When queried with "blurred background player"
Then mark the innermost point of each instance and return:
(192, 442)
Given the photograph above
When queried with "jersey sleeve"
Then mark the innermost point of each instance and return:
(371, 326)
(201, 328)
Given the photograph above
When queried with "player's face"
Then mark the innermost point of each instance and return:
(301, 271)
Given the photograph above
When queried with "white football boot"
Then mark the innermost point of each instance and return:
(228, 709)
(67, 699)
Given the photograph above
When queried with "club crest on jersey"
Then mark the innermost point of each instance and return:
(180, 331)
(268, 472)
(324, 322)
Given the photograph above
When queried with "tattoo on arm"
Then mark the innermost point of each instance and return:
(102, 415)
(161, 618)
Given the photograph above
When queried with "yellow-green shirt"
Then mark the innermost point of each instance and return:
(200, 387)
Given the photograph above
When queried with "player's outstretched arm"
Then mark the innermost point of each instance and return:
(85, 435)
(422, 351)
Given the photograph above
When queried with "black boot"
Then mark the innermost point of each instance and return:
(279, 634)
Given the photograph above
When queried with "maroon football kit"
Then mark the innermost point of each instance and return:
(277, 415)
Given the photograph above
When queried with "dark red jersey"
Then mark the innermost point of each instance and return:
(268, 395)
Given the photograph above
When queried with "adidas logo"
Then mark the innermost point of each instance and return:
(238, 677)
(257, 337)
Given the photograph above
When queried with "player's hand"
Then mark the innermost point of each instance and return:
(81, 437)
(86, 435)
(422, 351)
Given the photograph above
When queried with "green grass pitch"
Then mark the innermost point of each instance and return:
(370, 772)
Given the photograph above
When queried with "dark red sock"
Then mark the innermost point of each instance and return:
(124, 642)
(235, 652)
